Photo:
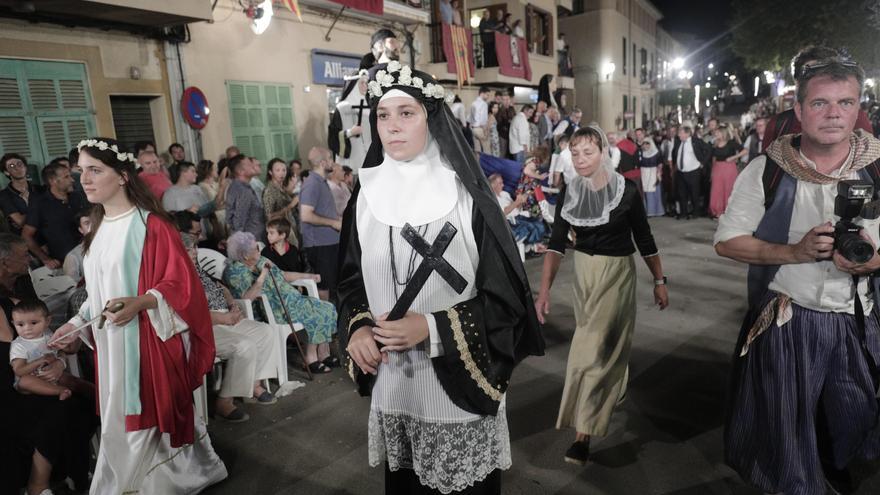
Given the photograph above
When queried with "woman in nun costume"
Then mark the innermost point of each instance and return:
(607, 214)
(433, 296)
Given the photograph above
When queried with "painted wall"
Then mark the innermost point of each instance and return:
(108, 57)
(227, 50)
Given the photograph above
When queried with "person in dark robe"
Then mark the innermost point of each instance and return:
(436, 349)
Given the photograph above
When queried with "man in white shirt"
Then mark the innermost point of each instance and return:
(479, 119)
(805, 371)
(613, 150)
(519, 134)
(687, 172)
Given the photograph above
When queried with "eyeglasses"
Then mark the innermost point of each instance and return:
(15, 164)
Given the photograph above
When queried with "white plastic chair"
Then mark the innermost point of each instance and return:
(284, 332)
(310, 285)
(212, 262)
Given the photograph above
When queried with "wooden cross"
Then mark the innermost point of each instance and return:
(432, 260)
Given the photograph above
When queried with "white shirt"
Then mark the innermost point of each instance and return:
(519, 133)
(614, 151)
(563, 164)
(479, 113)
(459, 113)
(560, 128)
(504, 201)
(818, 286)
(687, 159)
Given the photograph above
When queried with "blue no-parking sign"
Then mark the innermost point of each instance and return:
(194, 107)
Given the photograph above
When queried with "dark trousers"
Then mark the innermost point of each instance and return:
(405, 482)
(687, 184)
(325, 262)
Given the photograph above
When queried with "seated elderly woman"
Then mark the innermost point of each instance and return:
(247, 276)
(249, 347)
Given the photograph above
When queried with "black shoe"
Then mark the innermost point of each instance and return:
(318, 368)
(331, 362)
(678, 217)
(690, 217)
(578, 453)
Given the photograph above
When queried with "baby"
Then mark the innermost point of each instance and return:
(29, 354)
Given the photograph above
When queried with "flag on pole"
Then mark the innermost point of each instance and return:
(293, 5)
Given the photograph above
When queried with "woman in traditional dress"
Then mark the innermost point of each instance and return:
(607, 214)
(725, 153)
(155, 351)
(650, 166)
(439, 364)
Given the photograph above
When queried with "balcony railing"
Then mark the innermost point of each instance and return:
(481, 59)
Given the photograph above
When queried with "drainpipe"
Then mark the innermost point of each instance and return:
(186, 135)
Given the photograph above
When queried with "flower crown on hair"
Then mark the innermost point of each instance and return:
(386, 79)
(103, 146)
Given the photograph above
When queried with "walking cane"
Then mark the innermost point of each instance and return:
(290, 322)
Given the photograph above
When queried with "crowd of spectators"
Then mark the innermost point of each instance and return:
(272, 233)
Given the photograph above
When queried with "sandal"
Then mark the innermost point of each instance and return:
(318, 368)
(264, 399)
(331, 362)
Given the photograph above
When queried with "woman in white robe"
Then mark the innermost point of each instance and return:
(151, 441)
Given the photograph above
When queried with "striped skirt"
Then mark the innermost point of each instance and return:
(802, 396)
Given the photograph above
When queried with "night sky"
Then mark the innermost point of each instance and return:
(704, 19)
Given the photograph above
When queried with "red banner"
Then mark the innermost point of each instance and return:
(513, 56)
(458, 46)
(372, 6)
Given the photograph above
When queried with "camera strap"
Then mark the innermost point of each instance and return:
(861, 333)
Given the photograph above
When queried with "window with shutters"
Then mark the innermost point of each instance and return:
(45, 108)
(132, 119)
(261, 116)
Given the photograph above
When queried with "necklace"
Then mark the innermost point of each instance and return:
(410, 268)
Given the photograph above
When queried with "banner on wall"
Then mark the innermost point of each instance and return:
(513, 56)
(458, 46)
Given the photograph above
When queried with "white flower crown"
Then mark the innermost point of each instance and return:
(385, 79)
(103, 146)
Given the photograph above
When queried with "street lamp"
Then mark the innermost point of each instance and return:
(608, 68)
(690, 74)
(678, 63)
(682, 74)
(711, 66)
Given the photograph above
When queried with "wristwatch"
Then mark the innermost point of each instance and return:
(662, 281)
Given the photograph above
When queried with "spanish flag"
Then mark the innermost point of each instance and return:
(293, 5)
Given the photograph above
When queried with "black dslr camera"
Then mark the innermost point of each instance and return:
(849, 205)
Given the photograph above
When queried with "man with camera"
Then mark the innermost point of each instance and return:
(802, 403)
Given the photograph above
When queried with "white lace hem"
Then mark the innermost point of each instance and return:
(447, 457)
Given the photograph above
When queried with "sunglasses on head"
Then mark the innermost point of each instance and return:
(813, 66)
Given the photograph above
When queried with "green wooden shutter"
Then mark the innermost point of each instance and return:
(45, 109)
(261, 118)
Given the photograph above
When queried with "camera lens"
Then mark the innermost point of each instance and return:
(854, 248)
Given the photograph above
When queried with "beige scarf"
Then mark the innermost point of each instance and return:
(864, 150)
